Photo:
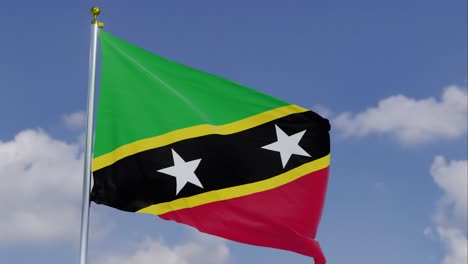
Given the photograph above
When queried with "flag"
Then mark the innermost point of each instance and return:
(202, 150)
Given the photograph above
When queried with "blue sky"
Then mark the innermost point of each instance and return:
(390, 75)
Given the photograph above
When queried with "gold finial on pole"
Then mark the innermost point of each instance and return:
(95, 11)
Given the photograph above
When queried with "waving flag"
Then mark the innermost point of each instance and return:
(201, 150)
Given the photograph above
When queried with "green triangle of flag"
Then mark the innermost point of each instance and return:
(143, 95)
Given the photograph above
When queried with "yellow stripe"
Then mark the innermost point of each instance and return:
(238, 191)
(192, 132)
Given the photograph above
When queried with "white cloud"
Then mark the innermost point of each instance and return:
(410, 120)
(453, 179)
(40, 188)
(451, 213)
(456, 245)
(75, 120)
(201, 249)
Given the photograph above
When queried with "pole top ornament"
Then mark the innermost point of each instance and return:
(95, 11)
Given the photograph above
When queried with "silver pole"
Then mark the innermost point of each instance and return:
(89, 137)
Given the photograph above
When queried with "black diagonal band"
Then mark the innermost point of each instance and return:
(134, 182)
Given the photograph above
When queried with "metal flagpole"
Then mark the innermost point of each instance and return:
(95, 25)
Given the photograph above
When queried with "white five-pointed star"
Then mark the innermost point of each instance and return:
(287, 145)
(183, 171)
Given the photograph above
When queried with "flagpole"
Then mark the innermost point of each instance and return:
(95, 25)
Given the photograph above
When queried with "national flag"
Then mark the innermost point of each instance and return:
(201, 150)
